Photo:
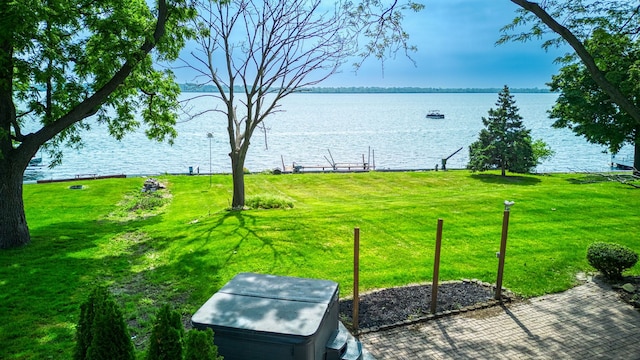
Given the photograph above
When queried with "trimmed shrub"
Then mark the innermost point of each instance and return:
(266, 201)
(199, 346)
(102, 332)
(144, 201)
(611, 259)
(166, 336)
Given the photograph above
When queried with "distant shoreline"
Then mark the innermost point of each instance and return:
(380, 90)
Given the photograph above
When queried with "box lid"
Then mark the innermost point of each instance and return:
(268, 303)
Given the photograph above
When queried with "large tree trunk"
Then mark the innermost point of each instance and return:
(237, 172)
(636, 155)
(13, 223)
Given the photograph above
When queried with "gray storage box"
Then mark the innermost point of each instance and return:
(257, 316)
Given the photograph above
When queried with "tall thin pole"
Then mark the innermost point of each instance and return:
(356, 277)
(436, 268)
(210, 136)
(373, 161)
(503, 248)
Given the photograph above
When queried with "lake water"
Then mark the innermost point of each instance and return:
(389, 130)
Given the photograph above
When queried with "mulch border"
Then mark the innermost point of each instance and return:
(507, 297)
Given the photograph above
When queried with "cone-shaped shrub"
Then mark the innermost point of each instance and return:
(199, 346)
(166, 336)
(87, 314)
(102, 333)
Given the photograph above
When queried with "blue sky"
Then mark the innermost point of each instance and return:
(456, 49)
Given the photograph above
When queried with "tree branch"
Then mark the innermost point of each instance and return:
(92, 104)
(598, 76)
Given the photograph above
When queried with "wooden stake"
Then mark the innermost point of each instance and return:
(436, 268)
(503, 249)
(356, 276)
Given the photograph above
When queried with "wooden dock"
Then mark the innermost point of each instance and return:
(622, 163)
(365, 165)
(338, 167)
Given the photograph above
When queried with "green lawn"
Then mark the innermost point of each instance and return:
(194, 246)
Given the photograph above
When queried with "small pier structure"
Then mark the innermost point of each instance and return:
(367, 164)
(622, 162)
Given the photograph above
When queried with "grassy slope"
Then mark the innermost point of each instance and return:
(191, 249)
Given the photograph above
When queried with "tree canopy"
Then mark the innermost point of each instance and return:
(64, 61)
(585, 108)
(584, 25)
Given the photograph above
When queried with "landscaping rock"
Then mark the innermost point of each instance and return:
(629, 288)
(152, 185)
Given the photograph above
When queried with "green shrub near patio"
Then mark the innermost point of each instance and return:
(199, 345)
(611, 259)
(166, 342)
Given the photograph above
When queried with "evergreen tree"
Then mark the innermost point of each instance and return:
(87, 314)
(199, 346)
(102, 332)
(166, 336)
(505, 143)
(111, 340)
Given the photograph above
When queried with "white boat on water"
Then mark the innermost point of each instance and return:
(435, 114)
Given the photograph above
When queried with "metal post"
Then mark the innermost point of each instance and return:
(503, 248)
(436, 268)
(356, 276)
(210, 136)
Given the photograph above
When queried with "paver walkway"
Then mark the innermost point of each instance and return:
(586, 322)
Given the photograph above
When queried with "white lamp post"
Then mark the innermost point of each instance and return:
(210, 136)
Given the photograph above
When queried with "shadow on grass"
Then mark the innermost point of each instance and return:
(624, 179)
(243, 232)
(506, 180)
(581, 179)
(42, 285)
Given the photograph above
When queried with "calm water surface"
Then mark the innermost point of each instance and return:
(389, 130)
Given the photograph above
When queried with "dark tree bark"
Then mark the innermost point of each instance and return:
(14, 231)
(636, 154)
(13, 224)
(237, 165)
